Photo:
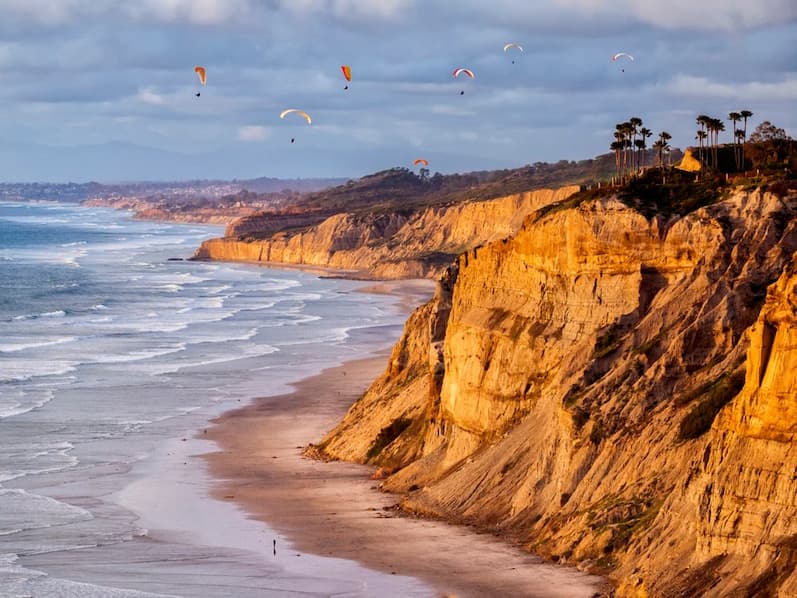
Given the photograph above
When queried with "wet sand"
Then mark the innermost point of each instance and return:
(334, 509)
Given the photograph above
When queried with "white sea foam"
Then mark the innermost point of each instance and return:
(176, 366)
(19, 368)
(23, 401)
(139, 355)
(16, 344)
(50, 314)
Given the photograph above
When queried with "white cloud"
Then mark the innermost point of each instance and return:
(200, 12)
(694, 14)
(359, 8)
(686, 85)
(253, 133)
(148, 96)
(50, 12)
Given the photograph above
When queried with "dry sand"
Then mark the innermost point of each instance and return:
(334, 509)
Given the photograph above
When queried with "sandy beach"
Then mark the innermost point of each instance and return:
(335, 510)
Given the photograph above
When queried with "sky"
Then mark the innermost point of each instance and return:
(104, 90)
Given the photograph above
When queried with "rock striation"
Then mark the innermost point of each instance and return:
(608, 390)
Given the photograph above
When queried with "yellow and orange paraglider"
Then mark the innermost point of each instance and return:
(301, 113)
(202, 73)
(346, 69)
(423, 161)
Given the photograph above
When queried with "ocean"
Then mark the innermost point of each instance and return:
(112, 352)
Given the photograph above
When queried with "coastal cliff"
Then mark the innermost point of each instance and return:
(389, 244)
(607, 390)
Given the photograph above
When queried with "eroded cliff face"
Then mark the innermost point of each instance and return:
(386, 245)
(571, 375)
(739, 494)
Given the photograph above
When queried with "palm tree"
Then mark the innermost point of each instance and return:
(624, 130)
(619, 138)
(616, 147)
(738, 135)
(664, 137)
(644, 134)
(658, 145)
(745, 114)
(718, 127)
(635, 122)
(703, 121)
(701, 137)
(735, 117)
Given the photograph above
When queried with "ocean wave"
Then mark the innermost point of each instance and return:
(7, 345)
(139, 355)
(26, 510)
(19, 369)
(60, 450)
(245, 353)
(60, 313)
(23, 404)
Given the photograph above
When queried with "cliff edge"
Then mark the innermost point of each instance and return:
(609, 390)
(388, 244)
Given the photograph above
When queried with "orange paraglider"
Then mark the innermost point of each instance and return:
(423, 161)
(346, 73)
(203, 76)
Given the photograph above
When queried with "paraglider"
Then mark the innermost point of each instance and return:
(346, 73)
(423, 161)
(461, 71)
(621, 55)
(203, 77)
(509, 46)
(301, 113)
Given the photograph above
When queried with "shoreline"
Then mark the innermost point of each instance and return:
(335, 509)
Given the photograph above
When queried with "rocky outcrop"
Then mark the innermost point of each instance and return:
(390, 244)
(564, 387)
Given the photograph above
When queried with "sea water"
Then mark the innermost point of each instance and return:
(112, 350)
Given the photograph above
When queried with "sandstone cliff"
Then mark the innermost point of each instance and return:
(389, 244)
(575, 387)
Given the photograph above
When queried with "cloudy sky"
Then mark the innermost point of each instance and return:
(104, 90)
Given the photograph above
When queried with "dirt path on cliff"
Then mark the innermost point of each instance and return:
(334, 509)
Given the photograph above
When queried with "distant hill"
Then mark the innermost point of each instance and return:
(400, 188)
(175, 192)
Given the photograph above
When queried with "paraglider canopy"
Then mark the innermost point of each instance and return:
(423, 161)
(509, 46)
(201, 73)
(301, 113)
(461, 71)
(346, 71)
(620, 55)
